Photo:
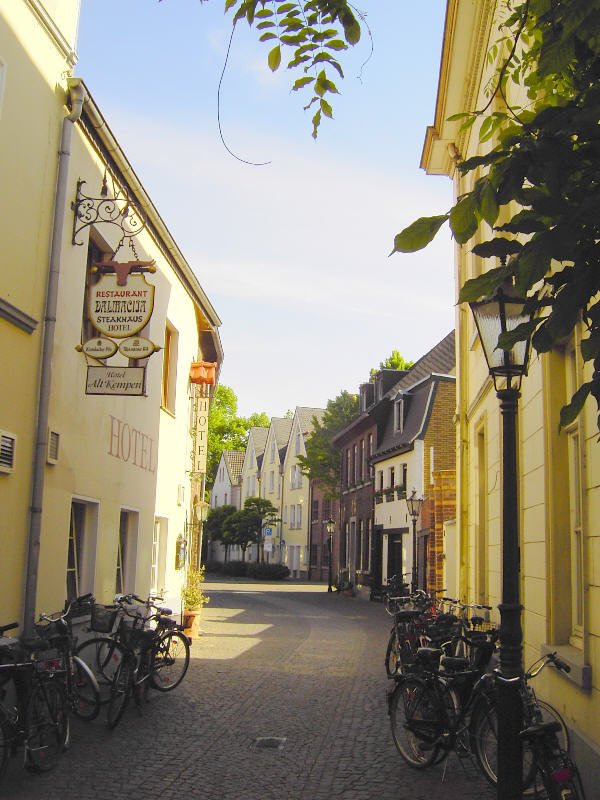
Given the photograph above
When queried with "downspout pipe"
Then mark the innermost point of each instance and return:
(77, 95)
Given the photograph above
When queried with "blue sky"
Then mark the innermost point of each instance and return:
(293, 255)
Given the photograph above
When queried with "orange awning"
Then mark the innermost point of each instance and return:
(203, 372)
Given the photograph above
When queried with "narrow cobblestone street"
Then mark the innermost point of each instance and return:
(285, 662)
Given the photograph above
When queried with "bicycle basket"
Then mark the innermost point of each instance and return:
(103, 618)
(136, 637)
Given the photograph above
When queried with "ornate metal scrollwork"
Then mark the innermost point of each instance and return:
(117, 210)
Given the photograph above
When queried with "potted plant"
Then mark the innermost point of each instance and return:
(193, 599)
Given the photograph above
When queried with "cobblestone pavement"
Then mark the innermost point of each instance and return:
(285, 661)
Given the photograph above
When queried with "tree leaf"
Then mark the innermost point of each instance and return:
(463, 219)
(301, 82)
(482, 286)
(488, 205)
(498, 247)
(418, 234)
(274, 58)
(570, 412)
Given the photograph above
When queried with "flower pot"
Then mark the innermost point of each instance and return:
(191, 622)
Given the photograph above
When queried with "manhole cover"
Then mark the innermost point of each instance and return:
(270, 742)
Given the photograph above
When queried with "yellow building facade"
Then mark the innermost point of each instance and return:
(559, 471)
(101, 430)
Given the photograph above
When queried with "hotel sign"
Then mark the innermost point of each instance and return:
(115, 380)
(121, 310)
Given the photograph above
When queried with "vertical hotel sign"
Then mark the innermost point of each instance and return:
(202, 376)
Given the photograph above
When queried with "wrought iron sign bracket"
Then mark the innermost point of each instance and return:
(116, 210)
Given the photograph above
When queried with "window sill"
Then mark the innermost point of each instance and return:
(581, 673)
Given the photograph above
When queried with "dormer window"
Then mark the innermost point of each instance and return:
(399, 415)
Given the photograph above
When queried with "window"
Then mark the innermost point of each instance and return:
(315, 510)
(292, 516)
(81, 549)
(575, 506)
(391, 477)
(159, 554)
(272, 481)
(325, 554)
(272, 450)
(169, 375)
(95, 253)
(399, 415)
(348, 467)
(298, 516)
(361, 460)
(326, 510)
(359, 543)
(355, 458)
(2, 82)
(370, 451)
(298, 440)
(314, 555)
(380, 480)
(481, 555)
(368, 544)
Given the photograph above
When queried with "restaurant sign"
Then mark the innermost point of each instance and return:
(121, 309)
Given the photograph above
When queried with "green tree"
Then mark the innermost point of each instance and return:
(226, 430)
(322, 460)
(394, 361)
(215, 525)
(244, 527)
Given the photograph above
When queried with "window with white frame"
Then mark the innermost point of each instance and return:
(292, 516)
(399, 415)
(81, 552)
(298, 516)
(169, 375)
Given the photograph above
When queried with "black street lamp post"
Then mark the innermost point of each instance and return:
(414, 504)
(330, 525)
(495, 316)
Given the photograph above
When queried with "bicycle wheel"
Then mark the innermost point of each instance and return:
(46, 725)
(5, 743)
(393, 661)
(86, 694)
(485, 740)
(142, 676)
(415, 721)
(171, 661)
(120, 691)
(103, 656)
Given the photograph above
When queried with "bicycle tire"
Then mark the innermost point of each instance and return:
(171, 661)
(415, 722)
(86, 694)
(142, 676)
(121, 690)
(103, 656)
(485, 739)
(5, 743)
(46, 725)
(392, 656)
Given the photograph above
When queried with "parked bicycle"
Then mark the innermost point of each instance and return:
(146, 649)
(81, 687)
(34, 710)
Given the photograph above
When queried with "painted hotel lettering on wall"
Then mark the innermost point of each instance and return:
(131, 445)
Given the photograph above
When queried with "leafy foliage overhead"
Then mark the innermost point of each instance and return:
(308, 34)
(543, 173)
(394, 361)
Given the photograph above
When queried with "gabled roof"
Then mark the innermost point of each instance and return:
(418, 388)
(282, 427)
(259, 439)
(305, 417)
(440, 360)
(234, 460)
